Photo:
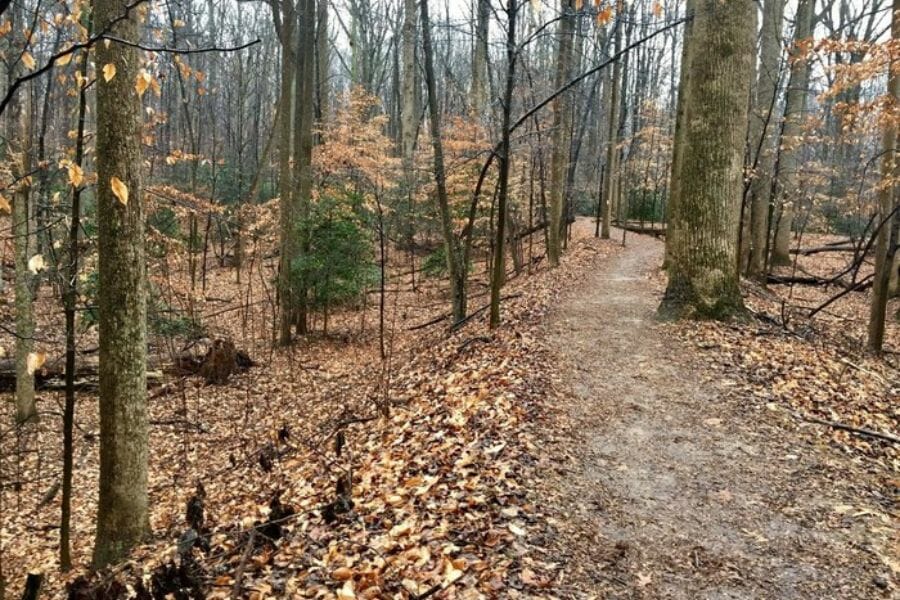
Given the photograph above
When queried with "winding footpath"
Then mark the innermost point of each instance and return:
(678, 489)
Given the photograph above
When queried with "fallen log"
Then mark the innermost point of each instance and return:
(797, 280)
(537, 227)
(845, 247)
(214, 360)
(52, 376)
(644, 229)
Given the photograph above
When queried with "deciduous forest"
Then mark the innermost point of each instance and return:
(449, 299)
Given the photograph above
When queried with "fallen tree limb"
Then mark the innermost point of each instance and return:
(644, 229)
(845, 247)
(844, 427)
(458, 325)
(433, 321)
(859, 285)
(797, 280)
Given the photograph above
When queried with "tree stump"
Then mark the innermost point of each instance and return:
(220, 362)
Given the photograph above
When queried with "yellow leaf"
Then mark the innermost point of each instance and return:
(119, 189)
(35, 361)
(579, 4)
(4, 204)
(36, 264)
(142, 82)
(28, 60)
(109, 71)
(5, 27)
(178, 23)
(64, 59)
(76, 175)
(346, 592)
(657, 9)
(451, 573)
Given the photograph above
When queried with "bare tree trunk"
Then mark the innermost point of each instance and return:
(285, 25)
(122, 515)
(455, 262)
(499, 274)
(763, 134)
(702, 256)
(20, 158)
(612, 150)
(409, 120)
(561, 143)
(70, 299)
(887, 241)
(791, 157)
(678, 143)
(304, 84)
(323, 63)
(894, 280)
(479, 60)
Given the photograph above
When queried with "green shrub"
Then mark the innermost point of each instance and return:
(338, 264)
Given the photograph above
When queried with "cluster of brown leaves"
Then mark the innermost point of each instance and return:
(438, 496)
(813, 367)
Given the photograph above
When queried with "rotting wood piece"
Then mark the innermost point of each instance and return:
(215, 360)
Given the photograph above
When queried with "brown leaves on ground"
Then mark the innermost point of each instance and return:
(814, 367)
(429, 501)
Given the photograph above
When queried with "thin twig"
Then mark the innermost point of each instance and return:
(844, 427)
(180, 50)
(239, 572)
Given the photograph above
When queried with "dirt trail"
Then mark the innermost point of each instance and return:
(678, 491)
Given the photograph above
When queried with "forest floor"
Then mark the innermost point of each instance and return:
(581, 450)
(675, 486)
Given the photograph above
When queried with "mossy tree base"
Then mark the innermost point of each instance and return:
(713, 299)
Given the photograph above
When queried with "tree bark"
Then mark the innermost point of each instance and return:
(560, 136)
(499, 274)
(122, 515)
(70, 300)
(19, 155)
(479, 99)
(323, 63)
(304, 84)
(455, 264)
(702, 255)
(886, 245)
(678, 143)
(612, 150)
(791, 143)
(285, 26)
(763, 134)
(409, 117)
